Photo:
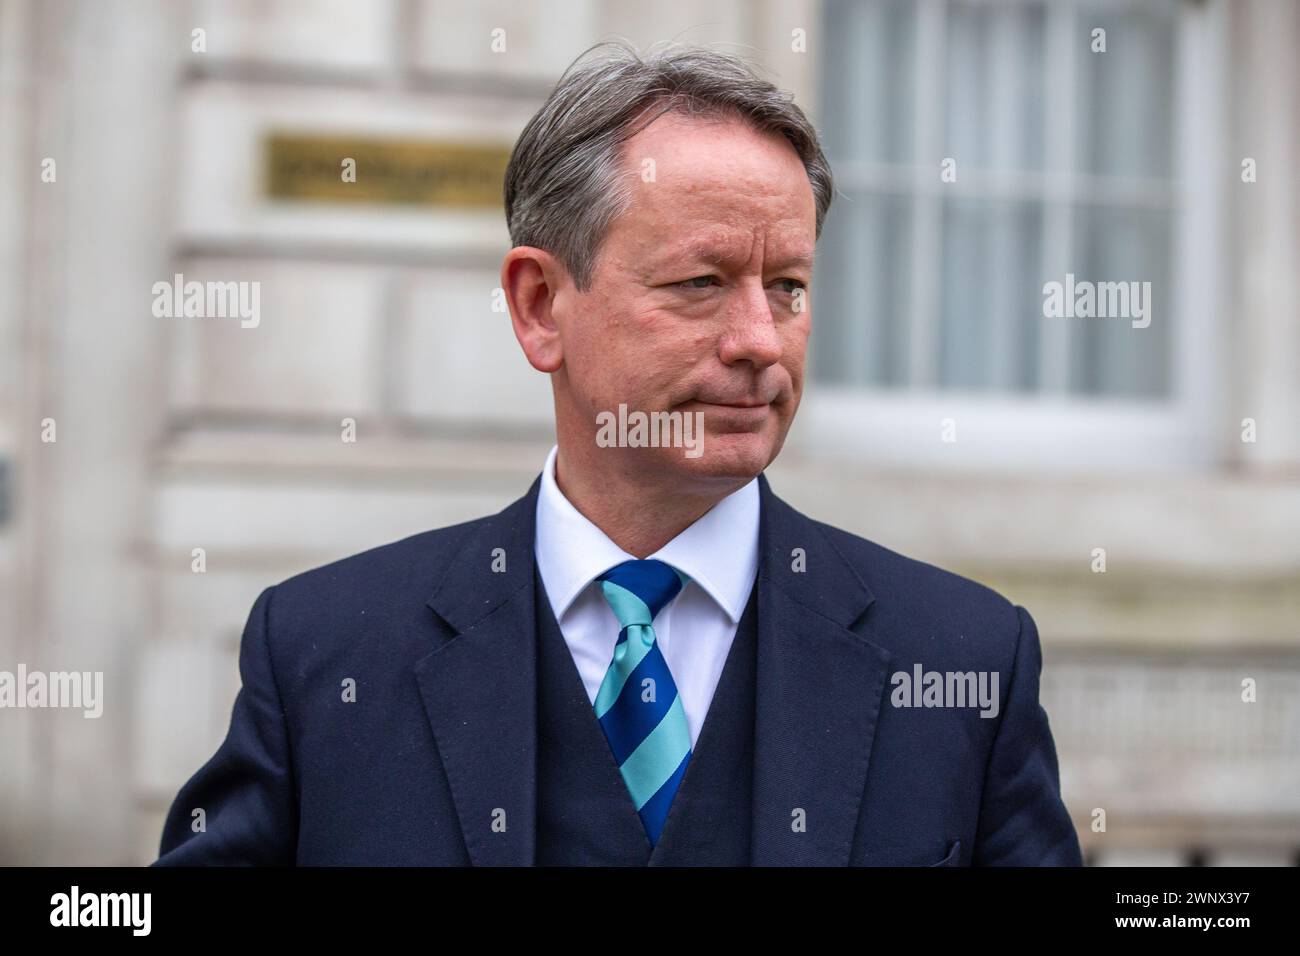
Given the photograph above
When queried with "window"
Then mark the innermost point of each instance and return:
(1067, 162)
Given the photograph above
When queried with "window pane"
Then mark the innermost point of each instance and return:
(1125, 95)
(868, 80)
(991, 307)
(994, 80)
(859, 292)
(1108, 355)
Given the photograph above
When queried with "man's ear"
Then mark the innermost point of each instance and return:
(532, 279)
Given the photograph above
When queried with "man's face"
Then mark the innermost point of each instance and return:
(699, 300)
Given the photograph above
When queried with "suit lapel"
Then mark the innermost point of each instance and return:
(819, 690)
(479, 686)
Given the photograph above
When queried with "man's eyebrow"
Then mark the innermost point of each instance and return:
(804, 259)
(718, 256)
(693, 250)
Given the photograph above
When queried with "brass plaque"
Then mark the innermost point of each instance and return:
(405, 172)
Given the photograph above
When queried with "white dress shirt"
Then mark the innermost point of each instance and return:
(719, 553)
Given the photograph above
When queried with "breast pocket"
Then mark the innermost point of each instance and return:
(954, 856)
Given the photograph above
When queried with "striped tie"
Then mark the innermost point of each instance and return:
(638, 705)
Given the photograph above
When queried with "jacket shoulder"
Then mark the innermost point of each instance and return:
(387, 574)
(897, 568)
(918, 598)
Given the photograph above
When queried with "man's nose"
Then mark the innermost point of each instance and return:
(750, 334)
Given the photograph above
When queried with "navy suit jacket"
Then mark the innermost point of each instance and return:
(440, 739)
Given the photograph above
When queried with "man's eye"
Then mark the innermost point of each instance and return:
(791, 286)
(699, 282)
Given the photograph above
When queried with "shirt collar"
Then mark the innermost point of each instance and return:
(719, 551)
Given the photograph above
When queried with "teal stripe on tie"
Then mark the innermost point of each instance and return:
(651, 764)
(627, 607)
(630, 611)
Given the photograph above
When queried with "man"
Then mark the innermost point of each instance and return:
(649, 658)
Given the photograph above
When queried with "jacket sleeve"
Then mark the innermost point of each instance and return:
(1023, 821)
(246, 789)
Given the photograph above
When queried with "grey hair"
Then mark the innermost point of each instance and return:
(564, 184)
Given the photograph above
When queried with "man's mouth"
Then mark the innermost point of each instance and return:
(741, 402)
(741, 415)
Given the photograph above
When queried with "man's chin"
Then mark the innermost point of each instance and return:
(729, 457)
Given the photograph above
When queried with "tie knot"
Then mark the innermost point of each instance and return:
(639, 590)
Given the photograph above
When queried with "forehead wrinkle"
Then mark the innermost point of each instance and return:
(722, 251)
(717, 252)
